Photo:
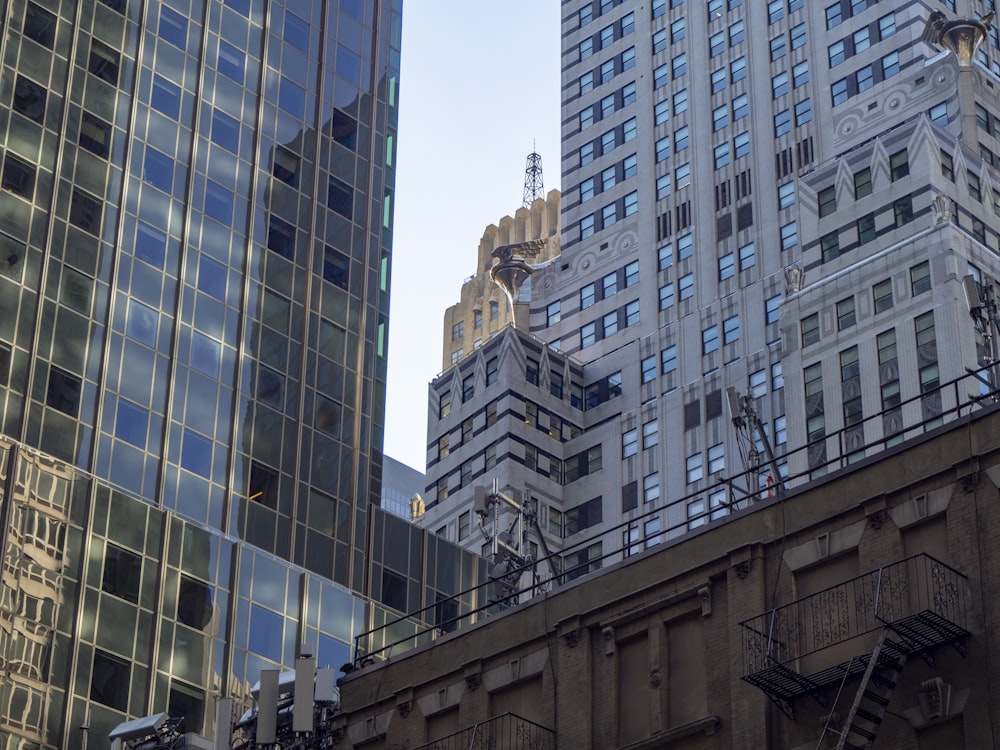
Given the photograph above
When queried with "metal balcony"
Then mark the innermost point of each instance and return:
(505, 732)
(818, 642)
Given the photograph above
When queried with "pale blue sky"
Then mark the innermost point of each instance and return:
(479, 85)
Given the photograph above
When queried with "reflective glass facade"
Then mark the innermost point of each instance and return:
(196, 222)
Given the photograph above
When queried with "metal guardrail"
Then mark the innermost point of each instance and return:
(951, 401)
(915, 586)
(505, 732)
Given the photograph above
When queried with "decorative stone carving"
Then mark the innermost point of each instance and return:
(705, 594)
(655, 679)
(944, 209)
(404, 709)
(473, 681)
(609, 640)
(794, 277)
(876, 520)
(742, 569)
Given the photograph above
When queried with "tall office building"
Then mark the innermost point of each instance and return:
(196, 220)
(782, 198)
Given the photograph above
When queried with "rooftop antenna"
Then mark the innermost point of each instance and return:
(533, 188)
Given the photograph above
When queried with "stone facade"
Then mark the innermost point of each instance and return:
(483, 310)
(651, 652)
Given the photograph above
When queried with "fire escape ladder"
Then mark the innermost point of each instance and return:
(862, 722)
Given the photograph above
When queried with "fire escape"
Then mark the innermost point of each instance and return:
(862, 630)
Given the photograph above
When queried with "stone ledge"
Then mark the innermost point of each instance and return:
(707, 725)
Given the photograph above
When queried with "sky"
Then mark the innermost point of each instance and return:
(479, 88)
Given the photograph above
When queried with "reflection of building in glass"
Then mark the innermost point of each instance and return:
(400, 485)
(195, 230)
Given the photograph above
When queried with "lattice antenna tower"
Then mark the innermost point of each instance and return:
(533, 187)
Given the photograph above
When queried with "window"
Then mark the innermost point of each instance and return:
(457, 330)
(586, 226)
(668, 359)
(772, 307)
(666, 296)
(902, 211)
(587, 296)
(862, 183)
(727, 266)
(731, 330)
(631, 203)
(778, 47)
(718, 80)
(651, 488)
(494, 310)
(29, 99)
(845, 314)
(710, 339)
(789, 235)
(681, 139)
(720, 117)
(678, 66)
(850, 366)
(650, 433)
(477, 319)
(827, 201)
(786, 195)
(609, 323)
(662, 149)
(661, 112)
(468, 387)
(630, 443)
(553, 313)
(110, 681)
(588, 335)
(803, 112)
(782, 123)
(444, 405)
(865, 78)
(737, 33)
(973, 184)
(122, 573)
(632, 313)
(779, 84)
(775, 11)
(887, 25)
(721, 155)
(748, 256)
(694, 469)
(758, 383)
(838, 92)
(18, 177)
(920, 278)
(798, 36)
(836, 53)
(882, 295)
(680, 101)
(491, 371)
(741, 144)
(890, 65)
(800, 73)
(810, 329)
(172, 27)
(717, 458)
(103, 62)
(647, 369)
(899, 165)
(39, 25)
(717, 43)
(862, 40)
(609, 214)
(678, 30)
(686, 284)
(866, 229)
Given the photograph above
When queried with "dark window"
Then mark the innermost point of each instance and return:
(188, 702)
(122, 573)
(336, 267)
(866, 229)
(692, 414)
(281, 238)
(85, 212)
(110, 681)
(104, 62)
(340, 197)
(95, 134)
(194, 603)
(286, 166)
(830, 244)
(393, 590)
(29, 99)
(270, 387)
(63, 391)
(40, 25)
(630, 497)
(231, 62)
(344, 129)
(263, 486)
(531, 371)
(18, 177)
(468, 387)
(118, 5)
(5, 357)
(328, 415)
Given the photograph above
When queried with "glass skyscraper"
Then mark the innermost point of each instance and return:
(196, 221)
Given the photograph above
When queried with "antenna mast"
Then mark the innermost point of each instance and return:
(533, 187)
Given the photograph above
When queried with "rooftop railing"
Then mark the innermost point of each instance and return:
(889, 429)
(505, 732)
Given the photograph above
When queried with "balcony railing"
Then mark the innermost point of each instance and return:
(808, 645)
(740, 491)
(505, 732)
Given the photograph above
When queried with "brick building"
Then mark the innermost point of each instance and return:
(862, 599)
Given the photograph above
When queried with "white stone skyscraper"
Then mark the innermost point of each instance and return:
(781, 198)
